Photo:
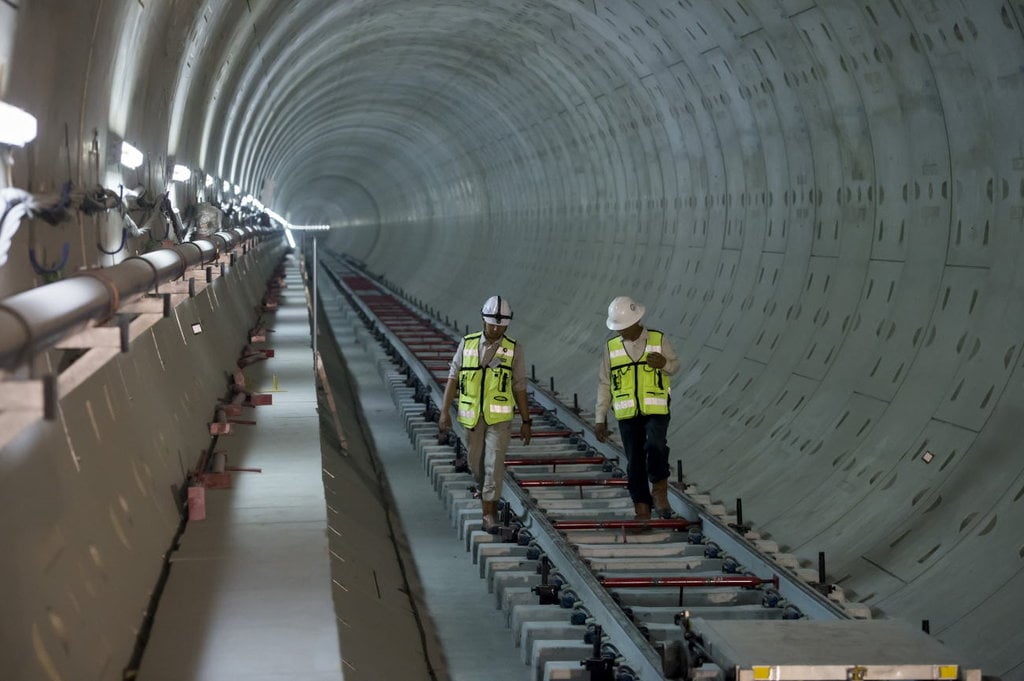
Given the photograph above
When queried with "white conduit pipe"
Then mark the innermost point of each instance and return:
(37, 319)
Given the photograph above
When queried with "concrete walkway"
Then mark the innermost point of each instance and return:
(249, 592)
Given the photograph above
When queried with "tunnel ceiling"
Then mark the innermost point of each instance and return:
(413, 102)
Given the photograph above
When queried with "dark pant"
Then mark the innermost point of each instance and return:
(644, 439)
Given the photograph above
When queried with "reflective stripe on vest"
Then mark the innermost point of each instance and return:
(623, 405)
(636, 388)
(486, 390)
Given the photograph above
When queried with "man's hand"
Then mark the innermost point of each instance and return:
(525, 431)
(656, 360)
(444, 422)
(601, 431)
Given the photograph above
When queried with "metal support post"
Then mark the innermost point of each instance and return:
(122, 324)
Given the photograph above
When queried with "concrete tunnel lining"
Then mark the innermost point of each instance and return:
(820, 203)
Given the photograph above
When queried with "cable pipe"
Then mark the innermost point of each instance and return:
(37, 319)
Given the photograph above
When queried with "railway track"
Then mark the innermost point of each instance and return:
(590, 593)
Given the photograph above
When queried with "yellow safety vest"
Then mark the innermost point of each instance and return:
(486, 390)
(637, 388)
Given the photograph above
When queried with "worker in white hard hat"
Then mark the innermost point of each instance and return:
(634, 380)
(487, 375)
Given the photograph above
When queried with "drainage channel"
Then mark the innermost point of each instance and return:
(590, 593)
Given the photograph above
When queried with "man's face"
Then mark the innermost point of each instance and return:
(493, 332)
(631, 333)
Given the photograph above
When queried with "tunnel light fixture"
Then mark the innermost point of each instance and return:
(226, 187)
(209, 181)
(181, 173)
(288, 235)
(238, 189)
(130, 156)
(278, 218)
(311, 228)
(17, 126)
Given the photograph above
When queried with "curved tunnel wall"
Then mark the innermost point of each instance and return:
(821, 203)
(814, 202)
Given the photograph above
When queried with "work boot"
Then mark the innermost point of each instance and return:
(659, 491)
(642, 512)
(490, 519)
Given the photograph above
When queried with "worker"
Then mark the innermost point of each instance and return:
(487, 373)
(634, 380)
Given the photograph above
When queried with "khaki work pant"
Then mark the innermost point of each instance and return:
(487, 446)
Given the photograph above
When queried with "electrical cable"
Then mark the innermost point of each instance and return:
(15, 204)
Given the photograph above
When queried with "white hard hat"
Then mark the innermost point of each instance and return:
(497, 311)
(624, 312)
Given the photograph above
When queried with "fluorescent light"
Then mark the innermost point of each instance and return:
(130, 156)
(181, 173)
(277, 217)
(238, 189)
(289, 226)
(17, 127)
(209, 181)
(227, 186)
(288, 235)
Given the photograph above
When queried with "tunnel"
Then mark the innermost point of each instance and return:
(820, 202)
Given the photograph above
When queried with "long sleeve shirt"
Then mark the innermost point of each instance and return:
(487, 351)
(635, 350)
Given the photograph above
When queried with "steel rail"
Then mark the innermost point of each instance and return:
(797, 592)
(637, 652)
(616, 585)
(791, 587)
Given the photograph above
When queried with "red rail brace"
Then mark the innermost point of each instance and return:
(579, 482)
(686, 582)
